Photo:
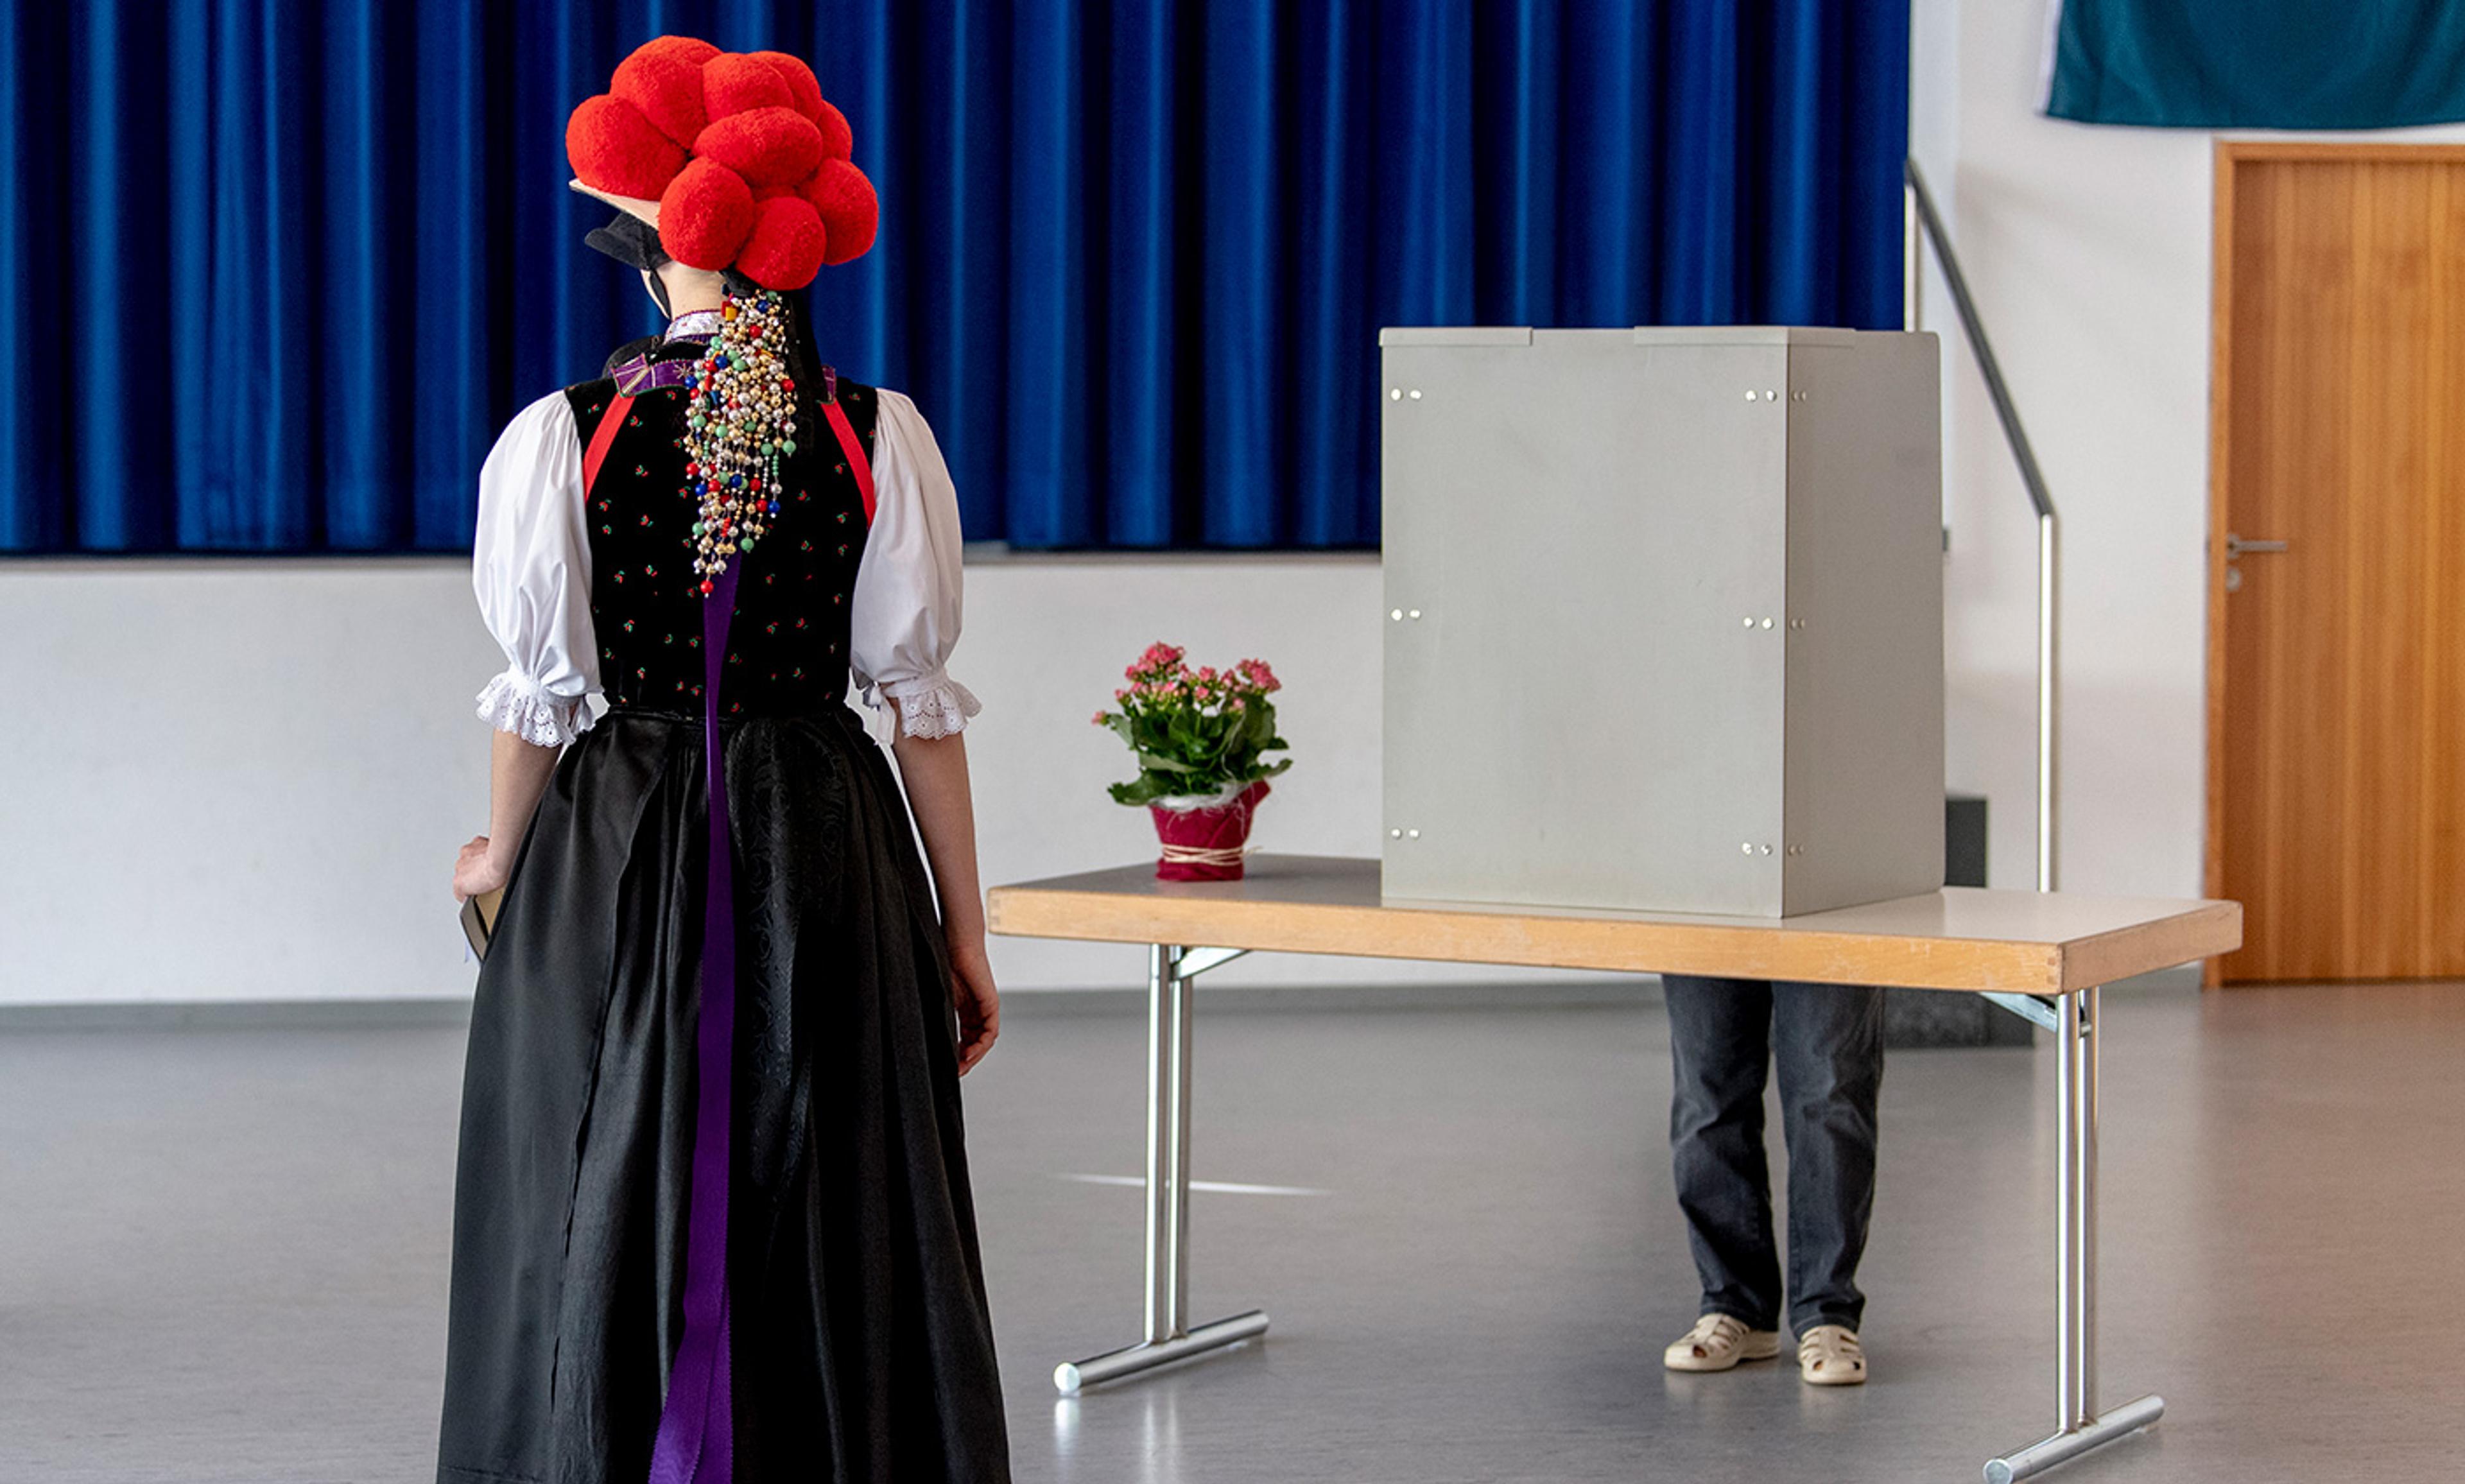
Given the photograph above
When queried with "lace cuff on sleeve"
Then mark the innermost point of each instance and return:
(515, 703)
(929, 705)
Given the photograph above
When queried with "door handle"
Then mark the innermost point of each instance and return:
(2236, 546)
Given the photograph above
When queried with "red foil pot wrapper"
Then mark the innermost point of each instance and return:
(1204, 843)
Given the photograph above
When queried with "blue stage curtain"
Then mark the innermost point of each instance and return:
(2286, 64)
(275, 270)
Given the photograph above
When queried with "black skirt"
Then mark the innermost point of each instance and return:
(862, 1349)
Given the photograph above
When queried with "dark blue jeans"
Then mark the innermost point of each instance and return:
(1724, 1035)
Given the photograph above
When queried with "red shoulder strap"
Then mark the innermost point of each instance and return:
(854, 447)
(604, 438)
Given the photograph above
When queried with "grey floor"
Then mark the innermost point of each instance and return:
(222, 1251)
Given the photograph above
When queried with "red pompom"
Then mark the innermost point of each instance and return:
(838, 140)
(804, 89)
(767, 147)
(849, 211)
(616, 149)
(732, 84)
(662, 79)
(786, 248)
(691, 49)
(705, 215)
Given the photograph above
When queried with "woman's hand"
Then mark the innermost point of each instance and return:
(979, 1003)
(476, 873)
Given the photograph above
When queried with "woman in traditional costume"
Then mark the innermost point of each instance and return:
(712, 1219)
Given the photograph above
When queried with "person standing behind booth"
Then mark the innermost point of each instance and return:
(1724, 1034)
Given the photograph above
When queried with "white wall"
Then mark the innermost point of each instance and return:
(246, 780)
(2089, 251)
(235, 780)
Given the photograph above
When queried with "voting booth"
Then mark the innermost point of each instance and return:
(1663, 618)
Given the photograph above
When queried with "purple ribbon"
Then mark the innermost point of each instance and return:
(642, 373)
(697, 1438)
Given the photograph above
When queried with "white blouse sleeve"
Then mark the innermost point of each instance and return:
(905, 620)
(530, 565)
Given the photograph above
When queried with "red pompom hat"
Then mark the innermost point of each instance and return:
(735, 157)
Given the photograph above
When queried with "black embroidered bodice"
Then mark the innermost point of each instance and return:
(788, 640)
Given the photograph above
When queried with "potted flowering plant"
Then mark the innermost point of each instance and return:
(1200, 737)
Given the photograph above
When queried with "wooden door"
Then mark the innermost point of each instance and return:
(2337, 664)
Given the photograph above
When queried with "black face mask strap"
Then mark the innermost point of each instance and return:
(636, 243)
(805, 353)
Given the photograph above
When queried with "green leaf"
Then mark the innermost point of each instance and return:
(1146, 790)
(1265, 770)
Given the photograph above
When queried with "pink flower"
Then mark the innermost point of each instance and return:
(1160, 661)
(1161, 679)
(1102, 719)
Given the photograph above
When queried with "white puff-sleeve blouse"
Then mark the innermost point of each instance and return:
(530, 570)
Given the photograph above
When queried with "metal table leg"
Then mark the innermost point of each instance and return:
(1171, 972)
(2079, 1426)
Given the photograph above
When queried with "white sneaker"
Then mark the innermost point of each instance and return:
(1828, 1355)
(1717, 1342)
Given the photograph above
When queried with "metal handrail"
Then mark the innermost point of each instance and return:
(1922, 225)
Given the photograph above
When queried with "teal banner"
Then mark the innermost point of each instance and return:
(2259, 64)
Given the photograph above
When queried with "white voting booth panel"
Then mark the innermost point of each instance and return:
(1664, 618)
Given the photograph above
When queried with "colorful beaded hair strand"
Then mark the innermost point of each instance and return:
(740, 426)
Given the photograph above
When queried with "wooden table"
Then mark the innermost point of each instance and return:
(2040, 955)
